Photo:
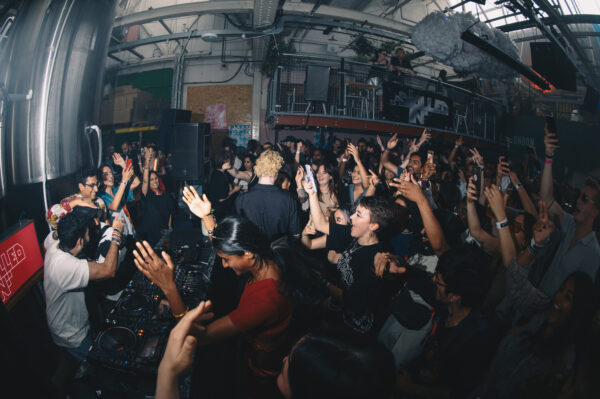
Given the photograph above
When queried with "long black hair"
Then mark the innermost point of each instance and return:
(323, 366)
(235, 235)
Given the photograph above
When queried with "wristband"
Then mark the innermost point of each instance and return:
(502, 224)
(533, 248)
(124, 182)
(210, 232)
(550, 156)
(518, 186)
(548, 161)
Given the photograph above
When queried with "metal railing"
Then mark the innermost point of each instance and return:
(356, 91)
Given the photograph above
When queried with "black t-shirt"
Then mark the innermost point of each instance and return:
(395, 61)
(218, 188)
(272, 209)
(357, 277)
(155, 213)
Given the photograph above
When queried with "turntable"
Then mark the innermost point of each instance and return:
(115, 340)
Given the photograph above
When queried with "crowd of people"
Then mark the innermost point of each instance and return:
(382, 268)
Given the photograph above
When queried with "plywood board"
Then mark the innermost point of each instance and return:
(237, 99)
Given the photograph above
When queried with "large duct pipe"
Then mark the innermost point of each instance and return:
(56, 49)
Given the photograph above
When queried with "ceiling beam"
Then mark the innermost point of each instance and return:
(185, 10)
(567, 19)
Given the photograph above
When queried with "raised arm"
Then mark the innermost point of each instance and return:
(126, 176)
(385, 155)
(316, 214)
(412, 191)
(146, 175)
(507, 245)
(109, 267)
(523, 195)
(547, 187)
(312, 243)
(457, 145)
(201, 207)
(364, 177)
(489, 242)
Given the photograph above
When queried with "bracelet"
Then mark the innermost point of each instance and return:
(116, 241)
(180, 315)
(124, 182)
(548, 161)
(549, 155)
(210, 232)
(533, 247)
(502, 224)
(518, 186)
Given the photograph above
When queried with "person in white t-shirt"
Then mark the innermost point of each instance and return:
(66, 276)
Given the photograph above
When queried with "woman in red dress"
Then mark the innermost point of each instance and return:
(279, 278)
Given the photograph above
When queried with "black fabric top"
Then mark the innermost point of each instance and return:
(218, 188)
(154, 214)
(395, 61)
(272, 209)
(357, 278)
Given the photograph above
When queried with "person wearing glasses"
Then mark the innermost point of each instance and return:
(87, 183)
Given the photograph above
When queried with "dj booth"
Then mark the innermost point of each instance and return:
(124, 357)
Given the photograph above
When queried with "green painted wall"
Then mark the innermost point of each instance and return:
(158, 82)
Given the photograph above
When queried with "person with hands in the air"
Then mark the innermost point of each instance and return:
(578, 248)
(360, 179)
(358, 288)
(180, 351)
(279, 278)
(411, 190)
(116, 198)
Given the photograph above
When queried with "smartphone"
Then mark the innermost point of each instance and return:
(477, 178)
(128, 163)
(310, 177)
(551, 123)
(430, 156)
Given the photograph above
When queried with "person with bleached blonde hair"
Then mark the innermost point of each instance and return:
(273, 210)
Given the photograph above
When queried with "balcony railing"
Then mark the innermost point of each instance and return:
(364, 92)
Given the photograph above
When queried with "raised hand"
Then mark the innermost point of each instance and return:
(127, 173)
(428, 170)
(199, 206)
(459, 141)
(309, 229)
(118, 160)
(380, 143)
(374, 178)
(543, 227)
(299, 146)
(354, 152)
(514, 178)
(392, 142)
(157, 270)
(409, 189)
(503, 166)
(496, 201)
(472, 194)
(299, 176)
(308, 186)
(413, 146)
(425, 136)
(183, 339)
(550, 142)
(477, 158)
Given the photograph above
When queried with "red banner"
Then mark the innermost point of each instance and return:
(20, 259)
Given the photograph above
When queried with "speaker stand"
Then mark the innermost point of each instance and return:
(310, 103)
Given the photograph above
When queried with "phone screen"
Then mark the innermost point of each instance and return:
(129, 163)
(477, 178)
(551, 122)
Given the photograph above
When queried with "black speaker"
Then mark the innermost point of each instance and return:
(190, 145)
(550, 62)
(170, 116)
(591, 102)
(316, 83)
